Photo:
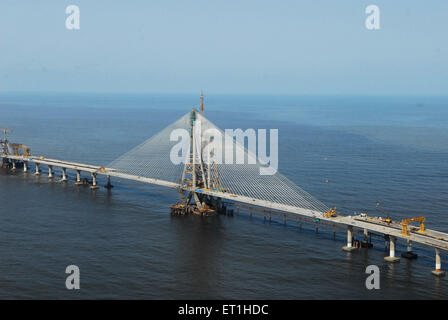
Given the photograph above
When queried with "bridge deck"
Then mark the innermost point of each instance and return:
(430, 238)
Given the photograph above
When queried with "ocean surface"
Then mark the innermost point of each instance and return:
(347, 151)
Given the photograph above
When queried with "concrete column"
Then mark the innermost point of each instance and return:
(94, 186)
(50, 171)
(409, 248)
(366, 235)
(37, 169)
(392, 257)
(108, 185)
(78, 177)
(438, 272)
(64, 174)
(409, 254)
(392, 246)
(13, 164)
(25, 166)
(349, 246)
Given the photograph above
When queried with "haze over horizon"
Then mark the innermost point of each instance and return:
(286, 47)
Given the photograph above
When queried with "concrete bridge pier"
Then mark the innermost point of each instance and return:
(93, 186)
(64, 175)
(13, 164)
(25, 166)
(37, 169)
(349, 247)
(50, 172)
(438, 272)
(409, 254)
(108, 185)
(366, 236)
(78, 177)
(367, 240)
(392, 257)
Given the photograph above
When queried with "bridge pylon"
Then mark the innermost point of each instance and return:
(198, 175)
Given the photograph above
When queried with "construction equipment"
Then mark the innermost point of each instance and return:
(4, 142)
(17, 148)
(5, 133)
(331, 213)
(405, 222)
(20, 149)
(388, 220)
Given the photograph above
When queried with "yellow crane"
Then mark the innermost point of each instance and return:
(20, 149)
(331, 213)
(405, 222)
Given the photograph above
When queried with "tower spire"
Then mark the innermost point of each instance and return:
(202, 103)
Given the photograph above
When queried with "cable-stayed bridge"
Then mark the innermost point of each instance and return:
(204, 180)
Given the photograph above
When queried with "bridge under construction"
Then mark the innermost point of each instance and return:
(206, 185)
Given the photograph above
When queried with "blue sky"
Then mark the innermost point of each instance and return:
(251, 46)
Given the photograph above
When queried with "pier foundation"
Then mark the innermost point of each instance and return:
(392, 257)
(50, 172)
(108, 184)
(78, 177)
(64, 174)
(37, 169)
(13, 164)
(366, 243)
(93, 186)
(409, 254)
(349, 247)
(438, 271)
(25, 166)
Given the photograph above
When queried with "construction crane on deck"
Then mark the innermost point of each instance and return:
(405, 222)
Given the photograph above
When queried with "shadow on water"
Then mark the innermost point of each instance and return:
(199, 242)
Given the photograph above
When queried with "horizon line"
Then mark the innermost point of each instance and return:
(215, 93)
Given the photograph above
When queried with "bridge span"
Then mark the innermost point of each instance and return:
(392, 231)
(203, 182)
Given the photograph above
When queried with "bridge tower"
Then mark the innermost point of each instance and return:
(4, 141)
(197, 173)
(4, 147)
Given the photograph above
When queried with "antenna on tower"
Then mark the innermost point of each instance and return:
(202, 103)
